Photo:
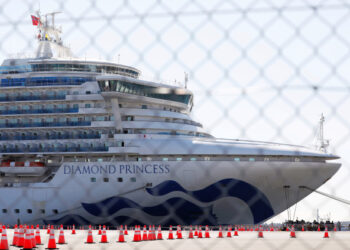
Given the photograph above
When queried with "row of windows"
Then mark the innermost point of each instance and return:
(51, 135)
(29, 211)
(142, 90)
(37, 95)
(201, 158)
(44, 81)
(106, 179)
(51, 121)
(69, 67)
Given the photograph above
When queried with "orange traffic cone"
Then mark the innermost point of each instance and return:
(326, 235)
(137, 236)
(89, 239)
(99, 230)
(73, 230)
(170, 236)
(179, 233)
(20, 241)
(121, 235)
(159, 235)
(318, 229)
(104, 236)
(144, 234)
(37, 236)
(61, 239)
(32, 237)
(4, 244)
(190, 235)
(15, 237)
(334, 228)
(200, 232)
(260, 233)
(126, 230)
(302, 228)
(52, 242)
(207, 235)
(292, 233)
(48, 229)
(220, 232)
(229, 235)
(236, 232)
(27, 240)
(196, 231)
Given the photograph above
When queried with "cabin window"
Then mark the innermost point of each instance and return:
(133, 179)
(42, 211)
(236, 159)
(29, 211)
(4, 211)
(120, 179)
(17, 211)
(193, 159)
(93, 179)
(165, 159)
(179, 159)
(55, 211)
(251, 159)
(105, 179)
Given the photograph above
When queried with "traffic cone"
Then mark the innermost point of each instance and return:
(334, 228)
(318, 229)
(220, 232)
(121, 235)
(229, 235)
(32, 237)
(99, 230)
(52, 242)
(37, 236)
(159, 234)
(260, 233)
(20, 241)
(15, 237)
(207, 235)
(326, 235)
(89, 239)
(48, 229)
(4, 244)
(287, 229)
(61, 239)
(302, 228)
(104, 236)
(137, 236)
(292, 233)
(236, 232)
(126, 230)
(73, 230)
(179, 233)
(200, 232)
(144, 234)
(196, 231)
(170, 236)
(27, 240)
(272, 229)
(190, 235)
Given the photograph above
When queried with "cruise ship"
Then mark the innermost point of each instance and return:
(90, 142)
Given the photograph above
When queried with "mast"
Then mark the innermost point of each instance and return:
(321, 143)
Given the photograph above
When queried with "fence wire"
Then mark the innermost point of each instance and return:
(259, 70)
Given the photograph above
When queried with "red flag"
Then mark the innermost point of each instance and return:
(35, 20)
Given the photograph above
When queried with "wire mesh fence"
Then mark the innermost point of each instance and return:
(258, 70)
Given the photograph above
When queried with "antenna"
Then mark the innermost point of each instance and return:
(186, 79)
(321, 143)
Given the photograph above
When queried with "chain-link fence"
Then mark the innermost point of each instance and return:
(262, 70)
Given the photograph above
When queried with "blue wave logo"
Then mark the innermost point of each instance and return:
(187, 212)
(253, 197)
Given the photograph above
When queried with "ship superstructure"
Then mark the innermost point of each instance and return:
(90, 142)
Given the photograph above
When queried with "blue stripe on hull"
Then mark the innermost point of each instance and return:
(178, 210)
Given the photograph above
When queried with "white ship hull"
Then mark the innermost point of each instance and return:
(202, 192)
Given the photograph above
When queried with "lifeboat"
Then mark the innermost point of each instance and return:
(22, 168)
